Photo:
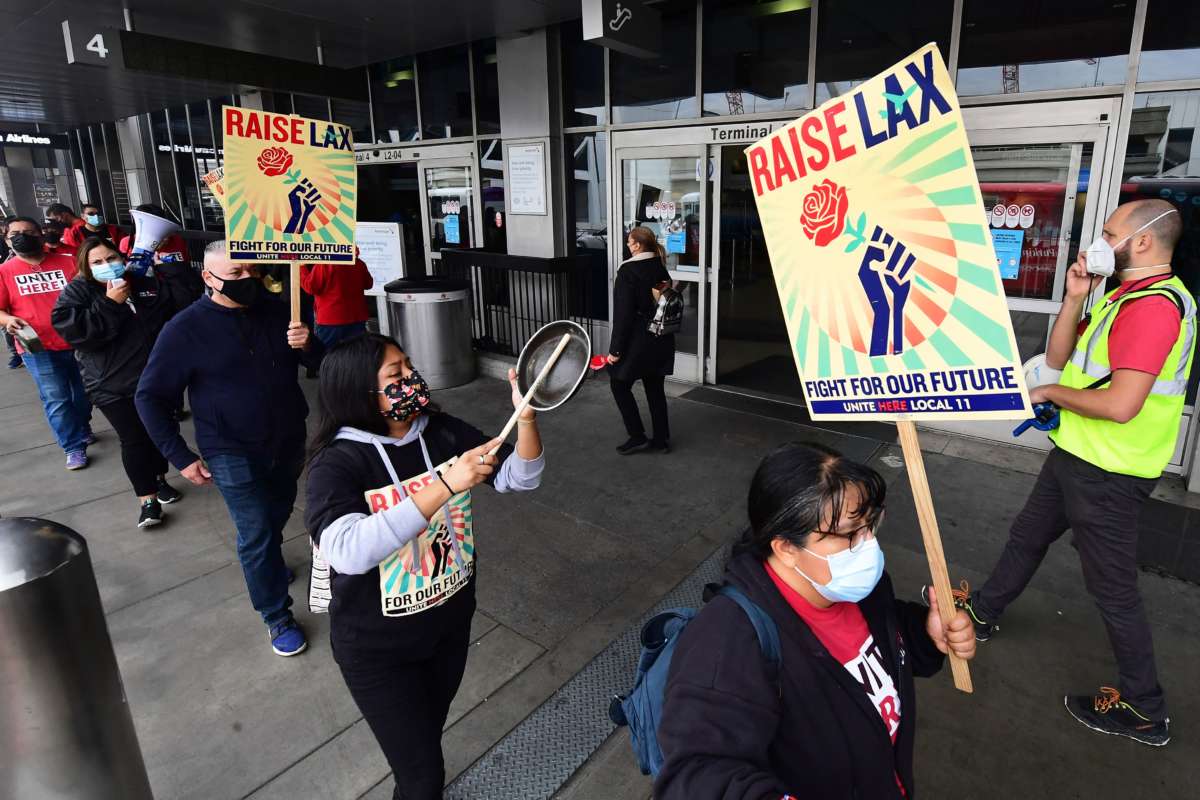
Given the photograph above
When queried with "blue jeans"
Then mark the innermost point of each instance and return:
(59, 385)
(332, 334)
(259, 492)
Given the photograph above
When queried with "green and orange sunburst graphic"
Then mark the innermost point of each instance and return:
(259, 208)
(926, 196)
(411, 567)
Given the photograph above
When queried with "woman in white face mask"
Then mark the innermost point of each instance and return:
(736, 725)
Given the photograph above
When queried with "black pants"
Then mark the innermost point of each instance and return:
(1102, 510)
(141, 459)
(405, 694)
(656, 398)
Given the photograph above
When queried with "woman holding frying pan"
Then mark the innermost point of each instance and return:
(389, 508)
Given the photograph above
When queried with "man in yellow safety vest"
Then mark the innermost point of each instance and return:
(1125, 371)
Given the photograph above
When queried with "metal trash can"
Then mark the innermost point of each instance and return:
(66, 732)
(431, 319)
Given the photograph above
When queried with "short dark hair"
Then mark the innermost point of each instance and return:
(35, 223)
(1166, 230)
(800, 488)
(346, 388)
(89, 244)
(86, 206)
(59, 208)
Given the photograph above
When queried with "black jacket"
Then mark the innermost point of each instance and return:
(240, 376)
(112, 341)
(642, 354)
(729, 732)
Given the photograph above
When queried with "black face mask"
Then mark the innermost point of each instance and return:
(243, 291)
(26, 244)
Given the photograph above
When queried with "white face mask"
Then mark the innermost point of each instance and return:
(852, 574)
(1102, 256)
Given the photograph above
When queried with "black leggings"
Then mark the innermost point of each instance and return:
(405, 694)
(141, 459)
(656, 398)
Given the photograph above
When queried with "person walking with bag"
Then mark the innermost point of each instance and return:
(388, 505)
(112, 318)
(836, 717)
(634, 352)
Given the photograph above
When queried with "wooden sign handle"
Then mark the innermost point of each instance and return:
(294, 288)
(923, 501)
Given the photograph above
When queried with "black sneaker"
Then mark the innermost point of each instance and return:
(962, 599)
(151, 515)
(180, 414)
(1108, 713)
(167, 493)
(633, 444)
(659, 447)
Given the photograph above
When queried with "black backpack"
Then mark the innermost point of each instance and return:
(668, 314)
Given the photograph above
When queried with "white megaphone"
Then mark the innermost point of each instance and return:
(152, 231)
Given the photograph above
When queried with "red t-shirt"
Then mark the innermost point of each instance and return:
(173, 244)
(337, 291)
(1145, 330)
(77, 233)
(29, 291)
(843, 631)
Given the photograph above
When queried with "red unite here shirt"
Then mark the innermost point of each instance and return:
(29, 291)
(843, 631)
(337, 291)
(1144, 331)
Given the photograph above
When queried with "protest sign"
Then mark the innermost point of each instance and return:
(290, 188)
(880, 247)
(886, 270)
(215, 181)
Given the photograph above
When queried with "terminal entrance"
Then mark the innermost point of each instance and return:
(1044, 173)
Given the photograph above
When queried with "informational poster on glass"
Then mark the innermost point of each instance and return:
(380, 246)
(527, 178)
(1007, 244)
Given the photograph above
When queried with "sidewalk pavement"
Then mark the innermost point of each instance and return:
(563, 572)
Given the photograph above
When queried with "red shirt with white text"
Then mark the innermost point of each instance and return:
(29, 291)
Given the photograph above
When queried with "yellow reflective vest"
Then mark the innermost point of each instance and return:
(1143, 446)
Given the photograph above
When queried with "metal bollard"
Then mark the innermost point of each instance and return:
(66, 732)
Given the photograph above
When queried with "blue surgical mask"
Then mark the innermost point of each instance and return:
(853, 574)
(93, 219)
(108, 271)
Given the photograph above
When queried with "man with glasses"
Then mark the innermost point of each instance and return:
(236, 354)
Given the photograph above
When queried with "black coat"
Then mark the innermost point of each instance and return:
(642, 353)
(729, 732)
(112, 343)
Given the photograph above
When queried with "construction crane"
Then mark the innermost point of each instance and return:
(735, 102)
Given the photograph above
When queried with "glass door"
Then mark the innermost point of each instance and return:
(665, 189)
(448, 213)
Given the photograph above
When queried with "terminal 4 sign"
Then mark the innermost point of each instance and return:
(627, 26)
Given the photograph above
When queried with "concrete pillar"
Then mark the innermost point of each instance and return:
(529, 113)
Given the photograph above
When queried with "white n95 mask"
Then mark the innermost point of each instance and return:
(1102, 256)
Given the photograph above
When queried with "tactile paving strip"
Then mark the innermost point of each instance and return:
(538, 756)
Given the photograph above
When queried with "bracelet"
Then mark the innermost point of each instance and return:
(526, 421)
(442, 478)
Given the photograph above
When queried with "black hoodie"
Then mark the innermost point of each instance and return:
(729, 732)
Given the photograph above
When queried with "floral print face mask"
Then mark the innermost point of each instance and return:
(408, 397)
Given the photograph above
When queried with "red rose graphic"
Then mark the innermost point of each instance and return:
(824, 215)
(274, 161)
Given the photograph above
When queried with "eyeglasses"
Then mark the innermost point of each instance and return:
(860, 535)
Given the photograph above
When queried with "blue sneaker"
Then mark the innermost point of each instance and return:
(287, 639)
(76, 459)
(91, 439)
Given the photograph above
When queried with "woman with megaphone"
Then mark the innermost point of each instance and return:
(112, 316)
